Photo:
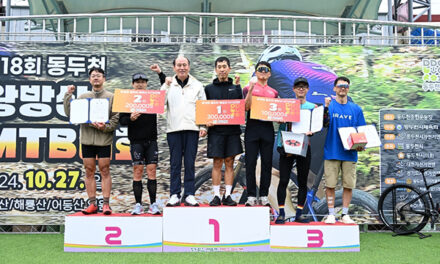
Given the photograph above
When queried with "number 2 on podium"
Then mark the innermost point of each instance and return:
(216, 225)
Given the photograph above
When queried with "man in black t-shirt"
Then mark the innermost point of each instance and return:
(224, 141)
(142, 133)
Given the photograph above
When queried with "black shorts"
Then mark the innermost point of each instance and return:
(223, 146)
(144, 153)
(91, 151)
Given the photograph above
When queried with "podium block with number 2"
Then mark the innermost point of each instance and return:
(215, 229)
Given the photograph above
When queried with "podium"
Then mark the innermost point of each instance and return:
(216, 229)
(314, 237)
(114, 233)
(204, 229)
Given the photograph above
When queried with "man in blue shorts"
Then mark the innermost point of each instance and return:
(340, 113)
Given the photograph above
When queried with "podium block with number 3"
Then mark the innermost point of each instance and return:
(216, 229)
(314, 237)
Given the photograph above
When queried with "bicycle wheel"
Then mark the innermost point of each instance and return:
(403, 210)
(362, 203)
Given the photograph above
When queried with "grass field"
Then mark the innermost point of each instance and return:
(375, 248)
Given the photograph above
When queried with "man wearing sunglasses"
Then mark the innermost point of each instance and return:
(340, 113)
(258, 137)
(224, 141)
(300, 88)
(142, 133)
(96, 140)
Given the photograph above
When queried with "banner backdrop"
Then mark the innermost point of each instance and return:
(41, 174)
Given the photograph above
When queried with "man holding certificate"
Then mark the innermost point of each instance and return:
(96, 139)
(259, 137)
(182, 131)
(341, 113)
(300, 88)
(142, 133)
(224, 141)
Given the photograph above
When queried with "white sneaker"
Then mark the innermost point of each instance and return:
(347, 220)
(330, 219)
(174, 200)
(138, 209)
(251, 201)
(154, 209)
(264, 200)
(190, 200)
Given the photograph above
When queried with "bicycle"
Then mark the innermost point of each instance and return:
(315, 207)
(406, 209)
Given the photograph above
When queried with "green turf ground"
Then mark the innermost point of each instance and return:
(375, 248)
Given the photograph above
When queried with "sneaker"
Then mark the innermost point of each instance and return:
(174, 200)
(216, 201)
(302, 219)
(264, 201)
(347, 220)
(228, 201)
(190, 200)
(154, 209)
(91, 209)
(251, 201)
(138, 209)
(106, 209)
(330, 219)
(280, 220)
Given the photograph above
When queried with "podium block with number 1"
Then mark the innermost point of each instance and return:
(216, 229)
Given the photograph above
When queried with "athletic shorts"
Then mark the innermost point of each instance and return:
(332, 168)
(91, 151)
(223, 146)
(144, 153)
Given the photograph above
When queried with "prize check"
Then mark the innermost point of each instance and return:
(275, 109)
(220, 112)
(141, 101)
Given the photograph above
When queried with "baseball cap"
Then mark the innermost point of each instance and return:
(139, 76)
(300, 80)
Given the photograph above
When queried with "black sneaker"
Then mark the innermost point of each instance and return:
(228, 201)
(216, 201)
(280, 220)
(302, 219)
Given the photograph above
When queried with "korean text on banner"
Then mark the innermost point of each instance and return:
(141, 101)
(220, 112)
(275, 109)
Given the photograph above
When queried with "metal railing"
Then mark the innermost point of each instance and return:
(214, 28)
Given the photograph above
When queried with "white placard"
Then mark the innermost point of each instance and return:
(310, 121)
(370, 131)
(79, 111)
(89, 110)
(113, 233)
(99, 109)
(371, 134)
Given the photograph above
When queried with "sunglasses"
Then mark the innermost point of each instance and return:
(139, 76)
(263, 69)
(346, 86)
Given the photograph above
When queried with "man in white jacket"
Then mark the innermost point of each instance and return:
(182, 131)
